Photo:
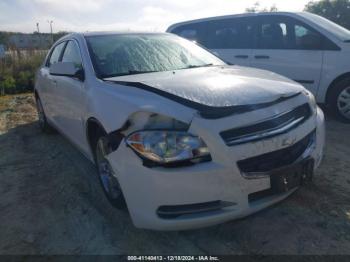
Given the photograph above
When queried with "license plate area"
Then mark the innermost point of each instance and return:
(290, 177)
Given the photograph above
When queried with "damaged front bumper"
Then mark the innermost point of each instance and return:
(213, 192)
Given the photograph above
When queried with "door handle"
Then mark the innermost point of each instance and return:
(262, 57)
(241, 56)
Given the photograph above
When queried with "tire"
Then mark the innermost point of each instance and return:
(340, 100)
(106, 174)
(43, 124)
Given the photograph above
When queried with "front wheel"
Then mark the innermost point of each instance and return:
(106, 174)
(340, 100)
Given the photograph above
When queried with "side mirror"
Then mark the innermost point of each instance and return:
(67, 69)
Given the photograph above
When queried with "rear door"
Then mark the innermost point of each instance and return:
(48, 83)
(231, 39)
(289, 47)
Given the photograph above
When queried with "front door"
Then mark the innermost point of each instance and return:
(290, 48)
(49, 84)
(70, 98)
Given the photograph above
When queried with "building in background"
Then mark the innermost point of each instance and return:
(29, 41)
(33, 41)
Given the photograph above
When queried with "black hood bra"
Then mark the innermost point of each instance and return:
(206, 111)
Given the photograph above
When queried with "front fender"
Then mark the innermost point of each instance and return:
(112, 105)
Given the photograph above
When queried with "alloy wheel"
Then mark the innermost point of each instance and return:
(107, 176)
(343, 102)
(41, 114)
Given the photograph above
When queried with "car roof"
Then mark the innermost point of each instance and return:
(233, 16)
(102, 33)
(82, 35)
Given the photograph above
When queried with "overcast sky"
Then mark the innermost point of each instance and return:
(92, 15)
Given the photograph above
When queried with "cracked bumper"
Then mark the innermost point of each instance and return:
(147, 189)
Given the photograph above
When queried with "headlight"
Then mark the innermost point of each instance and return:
(164, 147)
(312, 100)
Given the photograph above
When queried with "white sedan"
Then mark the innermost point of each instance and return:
(179, 137)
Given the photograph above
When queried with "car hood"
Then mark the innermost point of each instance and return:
(215, 86)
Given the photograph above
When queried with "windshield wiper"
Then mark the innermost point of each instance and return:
(135, 72)
(130, 72)
(196, 66)
(347, 41)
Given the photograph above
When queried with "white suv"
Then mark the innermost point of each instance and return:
(304, 47)
(182, 138)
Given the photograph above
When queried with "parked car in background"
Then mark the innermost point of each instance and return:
(180, 137)
(304, 47)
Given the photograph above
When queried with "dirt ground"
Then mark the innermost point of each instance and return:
(51, 203)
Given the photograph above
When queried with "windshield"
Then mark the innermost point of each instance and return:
(126, 54)
(337, 30)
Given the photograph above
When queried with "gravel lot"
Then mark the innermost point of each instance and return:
(51, 203)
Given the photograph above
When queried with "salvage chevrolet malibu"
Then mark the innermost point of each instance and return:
(180, 138)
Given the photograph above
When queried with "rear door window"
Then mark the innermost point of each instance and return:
(273, 35)
(193, 32)
(233, 33)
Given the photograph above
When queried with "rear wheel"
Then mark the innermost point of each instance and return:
(43, 124)
(106, 174)
(340, 100)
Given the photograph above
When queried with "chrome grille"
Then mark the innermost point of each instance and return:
(262, 164)
(267, 128)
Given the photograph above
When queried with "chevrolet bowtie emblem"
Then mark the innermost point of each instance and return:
(288, 142)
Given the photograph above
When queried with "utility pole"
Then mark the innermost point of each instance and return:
(51, 22)
(38, 31)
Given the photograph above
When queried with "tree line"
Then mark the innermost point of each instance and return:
(337, 11)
